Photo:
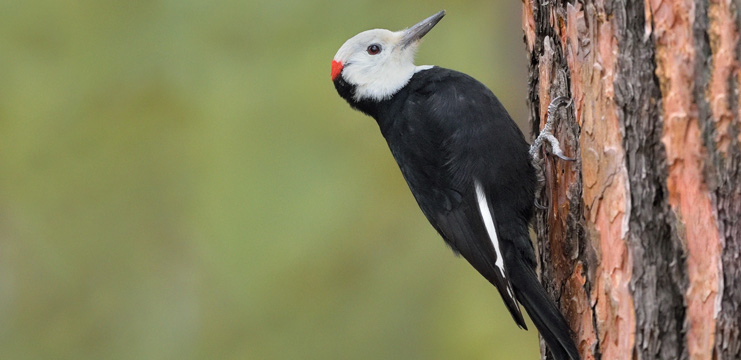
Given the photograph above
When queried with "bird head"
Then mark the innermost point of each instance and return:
(377, 63)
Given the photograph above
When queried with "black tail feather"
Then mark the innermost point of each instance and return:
(543, 311)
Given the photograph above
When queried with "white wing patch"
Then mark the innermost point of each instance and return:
(491, 230)
(489, 223)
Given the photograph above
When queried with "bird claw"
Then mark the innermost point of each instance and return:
(547, 135)
(565, 158)
(555, 145)
(557, 103)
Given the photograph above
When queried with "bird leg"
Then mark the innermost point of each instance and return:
(547, 135)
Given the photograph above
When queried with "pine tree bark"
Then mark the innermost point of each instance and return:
(640, 241)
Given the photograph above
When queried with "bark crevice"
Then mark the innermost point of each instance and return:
(656, 250)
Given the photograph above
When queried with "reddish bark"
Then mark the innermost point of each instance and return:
(642, 233)
(688, 193)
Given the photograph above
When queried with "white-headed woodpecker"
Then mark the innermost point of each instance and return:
(466, 163)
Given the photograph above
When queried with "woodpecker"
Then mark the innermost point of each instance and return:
(464, 159)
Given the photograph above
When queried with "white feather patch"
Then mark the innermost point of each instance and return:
(492, 231)
(423, 68)
(489, 223)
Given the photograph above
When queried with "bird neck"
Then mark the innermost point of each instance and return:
(366, 106)
(381, 110)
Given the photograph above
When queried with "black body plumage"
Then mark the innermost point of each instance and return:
(447, 130)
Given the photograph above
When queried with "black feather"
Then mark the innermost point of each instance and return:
(543, 312)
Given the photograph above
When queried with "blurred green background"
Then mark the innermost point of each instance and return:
(179, 180)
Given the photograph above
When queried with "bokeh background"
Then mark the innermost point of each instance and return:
(179, 180)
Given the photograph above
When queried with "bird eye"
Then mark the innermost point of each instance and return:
(374, 49)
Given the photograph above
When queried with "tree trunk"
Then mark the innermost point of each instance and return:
(640, 241)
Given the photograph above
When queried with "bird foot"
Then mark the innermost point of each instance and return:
(546, 135)
(555, 145)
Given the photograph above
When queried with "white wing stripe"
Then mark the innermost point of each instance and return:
(492, 230)
(489, 223)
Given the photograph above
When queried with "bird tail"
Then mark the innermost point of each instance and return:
(542, 310)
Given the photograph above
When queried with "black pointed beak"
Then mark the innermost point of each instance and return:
(416, 32)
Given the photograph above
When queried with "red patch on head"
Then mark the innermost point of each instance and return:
(336, 69)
